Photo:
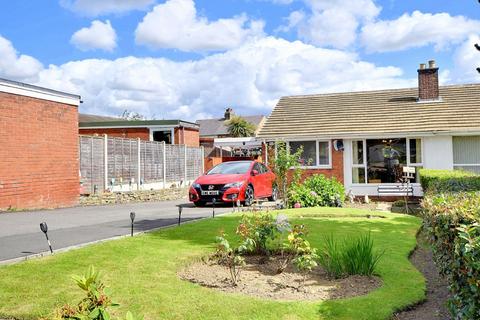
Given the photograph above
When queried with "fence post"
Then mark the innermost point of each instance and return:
(164, 165)
(138, 163)
(185, 167)
(105, 163)
(202, 154)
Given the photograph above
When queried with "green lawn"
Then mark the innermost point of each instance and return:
(141, 273)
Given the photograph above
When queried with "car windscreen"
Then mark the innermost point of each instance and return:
(230, 168)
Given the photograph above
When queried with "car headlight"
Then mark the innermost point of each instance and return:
(196, 185)
(234, 185)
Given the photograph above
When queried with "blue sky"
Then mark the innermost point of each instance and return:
(191, 58)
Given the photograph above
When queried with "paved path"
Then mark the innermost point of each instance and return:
(20, 233)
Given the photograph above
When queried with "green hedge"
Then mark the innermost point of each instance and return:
(317, 191)
(449, 181)
(452, 221)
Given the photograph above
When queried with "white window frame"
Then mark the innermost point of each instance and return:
(172, 130)
(456, 165)
(317, 153)
(365, 165)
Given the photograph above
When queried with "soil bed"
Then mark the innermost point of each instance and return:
(260, 279)
(434, 307)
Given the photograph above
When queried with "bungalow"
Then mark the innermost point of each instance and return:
(364, 139)
(168, 131)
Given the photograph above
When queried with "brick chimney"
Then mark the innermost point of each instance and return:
(228, 113)
(428, 82)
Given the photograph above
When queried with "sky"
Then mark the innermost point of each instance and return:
(190, 59)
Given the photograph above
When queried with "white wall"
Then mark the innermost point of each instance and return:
(438, 152)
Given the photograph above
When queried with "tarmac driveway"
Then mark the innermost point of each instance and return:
(20, 233)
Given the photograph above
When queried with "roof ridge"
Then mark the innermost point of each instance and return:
(375, 91)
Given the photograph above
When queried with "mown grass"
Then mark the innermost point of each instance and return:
(141, 273)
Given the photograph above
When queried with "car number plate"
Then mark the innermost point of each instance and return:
(210, 193)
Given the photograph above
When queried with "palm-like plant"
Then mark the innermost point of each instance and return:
(239, 127)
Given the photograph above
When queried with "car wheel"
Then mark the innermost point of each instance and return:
(274, 195)
(199, 203)
(249, 196)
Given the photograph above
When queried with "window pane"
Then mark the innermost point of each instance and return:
(415, 151)
(309, 154)
(385, 160)
(466, 150)
(358, 175)
(323, 150)
(357, 152)
(474, 169)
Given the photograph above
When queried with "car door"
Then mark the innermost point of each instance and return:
(256, 180)
(268, 180)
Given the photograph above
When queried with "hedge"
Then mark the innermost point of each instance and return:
(451, 214)
(449, 181)
(452, 220)
(317, 191)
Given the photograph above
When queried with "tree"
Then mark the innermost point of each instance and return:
(239, 127)
(283, 163)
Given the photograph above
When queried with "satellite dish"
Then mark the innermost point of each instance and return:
(338, 145)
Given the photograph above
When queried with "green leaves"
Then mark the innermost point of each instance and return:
(352, 257)
(239, 127)
(317, 191)
(94, 306)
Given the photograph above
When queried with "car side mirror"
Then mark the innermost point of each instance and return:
(254, 173)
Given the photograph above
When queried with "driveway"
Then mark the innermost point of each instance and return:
(20, 233)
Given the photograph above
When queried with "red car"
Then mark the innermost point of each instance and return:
(232, 181)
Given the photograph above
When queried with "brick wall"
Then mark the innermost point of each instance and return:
(336, 170)
(38, 153)
(188, 136)
(130, 133)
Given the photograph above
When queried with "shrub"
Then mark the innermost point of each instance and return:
(94, 306)
(352, 257)
(452, 221)
(229, 257)
(317, 191)
(437, 181)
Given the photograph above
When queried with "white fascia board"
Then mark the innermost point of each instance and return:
(39, 93)
(154, 128)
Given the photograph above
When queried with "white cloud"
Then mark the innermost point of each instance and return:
(416, 30)
(99, 7)
(332, 23)
(175, 24)
(466, 60)
(100, 35)
(16, 66)
(250, 78)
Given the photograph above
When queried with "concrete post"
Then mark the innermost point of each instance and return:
(202, 169)
(164, 165)
(185, 166)
(139, 159)
(105, 162)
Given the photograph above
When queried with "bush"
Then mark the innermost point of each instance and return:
(452, 221)
(317, 191)
(437, 181)
(94, 306)
(352, 257)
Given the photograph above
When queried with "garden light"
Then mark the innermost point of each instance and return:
(180, 209)
(132, 217)
(44, 228)
(214, 200)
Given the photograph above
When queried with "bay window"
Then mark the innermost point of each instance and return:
(315, 154)
(377, 161)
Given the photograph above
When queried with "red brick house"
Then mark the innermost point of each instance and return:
(38, 147)
(366, 139)
(169, 131)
